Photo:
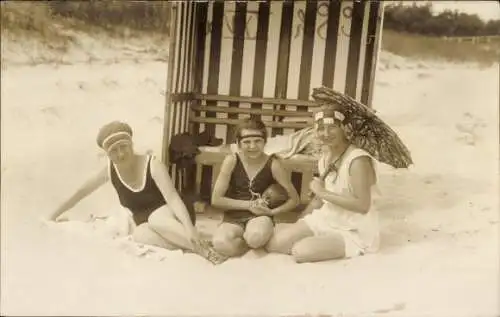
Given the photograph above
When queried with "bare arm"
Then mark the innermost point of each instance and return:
(86, 189)
(281, 176)
(162, 179)
(362, 177)
(221, 186)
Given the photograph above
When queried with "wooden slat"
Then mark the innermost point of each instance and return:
(254, 111)
(236, 60)
(182, 97)
(281, 84)
(214, 59)
(259, 69)
(307, 51)
(371, 52)
(358, 13)
(270, 124)
(331, 42)
(199, 61)
(269, 101)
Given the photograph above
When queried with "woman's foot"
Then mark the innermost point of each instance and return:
(207, 251)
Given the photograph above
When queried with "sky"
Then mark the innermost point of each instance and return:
(486, 10)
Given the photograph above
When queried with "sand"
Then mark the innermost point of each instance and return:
(440, 241)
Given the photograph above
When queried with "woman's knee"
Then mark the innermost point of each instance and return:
(257, 238)
(145, 235)
(223, 240)
(227, 240)
(258, 232)
(285, 237)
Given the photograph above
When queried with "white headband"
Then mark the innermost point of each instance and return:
(112, 135)
(112, 145)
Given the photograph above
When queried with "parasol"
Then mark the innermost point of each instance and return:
(365, 129)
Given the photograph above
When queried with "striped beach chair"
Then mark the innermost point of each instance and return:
(229, 60)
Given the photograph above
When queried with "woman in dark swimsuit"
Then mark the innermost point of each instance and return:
(157, 213)
(243, 178)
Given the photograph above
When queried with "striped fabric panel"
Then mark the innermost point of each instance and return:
(283, 49)
(255, 51)
(284, 56)
(181, 66)
(374, 34)
(199, 58)
(238, 38)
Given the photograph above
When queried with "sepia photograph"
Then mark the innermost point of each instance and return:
(250, 158)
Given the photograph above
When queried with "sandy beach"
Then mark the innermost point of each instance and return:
(440, 243)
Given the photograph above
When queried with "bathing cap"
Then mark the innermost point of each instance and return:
(112, 133)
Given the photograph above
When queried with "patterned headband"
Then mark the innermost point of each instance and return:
(329, 117)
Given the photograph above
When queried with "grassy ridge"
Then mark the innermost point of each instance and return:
(48, 23)
(151, 16)
(425, 47)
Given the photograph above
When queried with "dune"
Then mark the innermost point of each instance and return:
(440, 243)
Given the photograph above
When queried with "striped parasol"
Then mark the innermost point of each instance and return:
(365, 129)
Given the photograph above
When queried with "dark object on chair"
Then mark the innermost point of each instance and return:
(184, 147)
(205, 138)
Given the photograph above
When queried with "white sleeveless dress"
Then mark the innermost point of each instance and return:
(360, 231)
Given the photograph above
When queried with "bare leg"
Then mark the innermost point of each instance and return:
(145, 235)
(314, 249)
(228, 240)
(258, 232)
(285, 236)
(164, 223)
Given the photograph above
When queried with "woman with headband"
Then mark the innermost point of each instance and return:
(145, 188)
(341, 223)
(244, 177)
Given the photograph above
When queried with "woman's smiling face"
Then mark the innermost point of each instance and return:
(330, 133)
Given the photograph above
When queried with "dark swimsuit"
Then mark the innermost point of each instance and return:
(142, 202)
(241, 188)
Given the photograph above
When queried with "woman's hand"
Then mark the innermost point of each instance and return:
(259, 208)
(316, 203)
(194, 237)
(317, 186)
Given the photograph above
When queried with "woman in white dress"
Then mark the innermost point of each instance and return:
(340, 221)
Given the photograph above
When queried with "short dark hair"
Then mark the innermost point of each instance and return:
(251, 124)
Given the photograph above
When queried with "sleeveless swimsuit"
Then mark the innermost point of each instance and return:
(241, 188)
(141, 202)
